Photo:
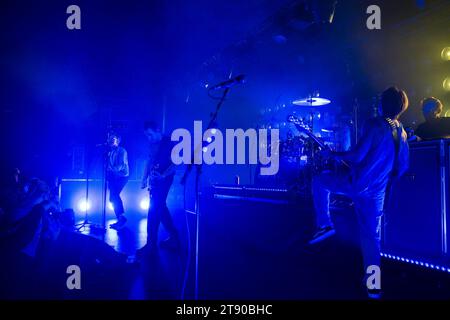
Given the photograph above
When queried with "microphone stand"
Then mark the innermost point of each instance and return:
(96, 227)
(105, 157)
(104, 190)
(198, 173)
(86, 222)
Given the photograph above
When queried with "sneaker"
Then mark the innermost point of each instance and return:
(120, 224)
(322, 234)
(374, 294)
(171, 243)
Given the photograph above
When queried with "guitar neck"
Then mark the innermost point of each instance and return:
(318, 142)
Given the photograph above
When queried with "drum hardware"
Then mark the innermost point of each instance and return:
(300, 156)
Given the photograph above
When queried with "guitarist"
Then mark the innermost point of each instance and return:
(158, 178)
(381, 154)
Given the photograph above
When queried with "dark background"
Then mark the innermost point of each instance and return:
(135, 60)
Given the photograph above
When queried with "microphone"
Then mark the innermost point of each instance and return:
(229, 83)
(104, 144)
(333, 12)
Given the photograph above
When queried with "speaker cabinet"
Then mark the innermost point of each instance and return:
(241, 230)
(416, 218)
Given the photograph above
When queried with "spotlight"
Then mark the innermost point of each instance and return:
(144, 204)
(84, 205)
(205, 149)
(209, 139)
(110, 206)
(446, 84)
(446, 54)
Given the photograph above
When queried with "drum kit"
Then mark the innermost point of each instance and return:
(299, 155)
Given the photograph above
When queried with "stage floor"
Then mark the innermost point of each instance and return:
(331, 270)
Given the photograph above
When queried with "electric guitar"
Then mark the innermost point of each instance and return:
(157, 175)
(317, 141)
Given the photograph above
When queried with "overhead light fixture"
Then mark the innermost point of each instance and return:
(446, 84)
(445, 54)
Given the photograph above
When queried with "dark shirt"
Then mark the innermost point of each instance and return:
(374, 159)
(160, 154)
(160, 158)
(434, 129)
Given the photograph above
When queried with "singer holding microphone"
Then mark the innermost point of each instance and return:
(118, 172)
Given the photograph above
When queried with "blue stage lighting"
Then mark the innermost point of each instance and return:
(144, 204)
(84, 205)
(416, 262)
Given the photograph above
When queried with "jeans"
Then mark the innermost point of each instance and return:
(368, 206)
(116, 185)
(158, 212)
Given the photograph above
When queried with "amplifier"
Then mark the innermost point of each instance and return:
(255, 194)
(241, 227)
(416, 218)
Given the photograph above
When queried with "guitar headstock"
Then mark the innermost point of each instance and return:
(304, 128)
(294, 119)
(299, 123)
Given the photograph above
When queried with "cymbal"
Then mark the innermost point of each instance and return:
(329, 130)
(311, 102)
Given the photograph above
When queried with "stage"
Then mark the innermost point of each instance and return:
(201, 151)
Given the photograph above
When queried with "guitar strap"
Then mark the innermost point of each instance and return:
(396, 134)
